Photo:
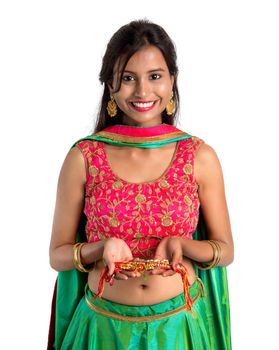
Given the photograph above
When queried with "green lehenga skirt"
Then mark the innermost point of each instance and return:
(106, 325)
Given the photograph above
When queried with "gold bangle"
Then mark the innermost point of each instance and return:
(216, 256)
(216, 250)
(212, 263)
(217, 245)
(77, 258)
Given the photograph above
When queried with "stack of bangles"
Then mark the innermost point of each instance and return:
(142, 266)
(216, 256)
(77, 259)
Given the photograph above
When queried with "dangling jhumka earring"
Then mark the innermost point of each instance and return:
(112, 107)
(170, 107)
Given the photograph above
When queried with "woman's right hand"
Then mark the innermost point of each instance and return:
(115, 249)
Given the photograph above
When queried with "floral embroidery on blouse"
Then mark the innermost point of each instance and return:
(140, 214)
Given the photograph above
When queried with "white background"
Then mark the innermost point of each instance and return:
(229, 83)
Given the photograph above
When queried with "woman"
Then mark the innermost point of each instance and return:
(140, 183)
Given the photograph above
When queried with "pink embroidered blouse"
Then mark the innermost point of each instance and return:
(140, 214)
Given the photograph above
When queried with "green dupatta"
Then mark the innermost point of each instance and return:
(70, 285)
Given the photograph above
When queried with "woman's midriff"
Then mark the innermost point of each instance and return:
(145, 290)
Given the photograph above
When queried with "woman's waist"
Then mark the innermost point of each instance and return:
(147, 312)
(145, 290)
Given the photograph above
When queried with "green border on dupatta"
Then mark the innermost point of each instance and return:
(154, 144)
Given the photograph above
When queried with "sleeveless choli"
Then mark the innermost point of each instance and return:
(140, 213)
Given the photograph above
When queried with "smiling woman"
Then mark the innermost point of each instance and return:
(131, 204)
(146, 87)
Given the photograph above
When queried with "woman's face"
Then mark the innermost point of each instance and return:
(146, 88)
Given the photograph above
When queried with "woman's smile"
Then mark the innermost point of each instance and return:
(143, 106)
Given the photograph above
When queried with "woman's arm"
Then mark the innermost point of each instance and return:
(208, 174)
(68, 209)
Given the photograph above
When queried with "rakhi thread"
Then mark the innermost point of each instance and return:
(142, 266)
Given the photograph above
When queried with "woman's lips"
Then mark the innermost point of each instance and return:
(143, 106)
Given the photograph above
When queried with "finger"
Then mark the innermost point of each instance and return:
(176, 258)
(156, 272)
(159, 255)
(111, 281)
(111, 267)
(161, 251)
(168, 273)
(128, 258)
(120, 276)
(131, 274)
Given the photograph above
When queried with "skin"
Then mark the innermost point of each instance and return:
(146, 78)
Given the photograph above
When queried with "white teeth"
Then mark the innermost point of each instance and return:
(143, 105)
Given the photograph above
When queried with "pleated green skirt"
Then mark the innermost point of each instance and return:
(106, 325)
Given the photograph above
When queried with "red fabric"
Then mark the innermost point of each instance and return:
(156, 130)
(141, 214)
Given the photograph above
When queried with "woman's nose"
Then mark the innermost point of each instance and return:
(142, 88)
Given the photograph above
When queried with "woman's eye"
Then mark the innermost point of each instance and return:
(155, 76)
(128, 78)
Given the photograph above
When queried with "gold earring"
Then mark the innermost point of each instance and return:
(112, 107)
(170, 107)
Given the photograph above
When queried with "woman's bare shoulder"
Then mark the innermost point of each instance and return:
(74, 165)
(205, 153)
(207, 163)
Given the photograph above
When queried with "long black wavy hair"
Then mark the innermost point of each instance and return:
(122, 46)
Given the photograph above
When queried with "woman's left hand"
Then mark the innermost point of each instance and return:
(169, 248)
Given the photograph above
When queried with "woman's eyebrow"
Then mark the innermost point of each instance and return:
(150, 71)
